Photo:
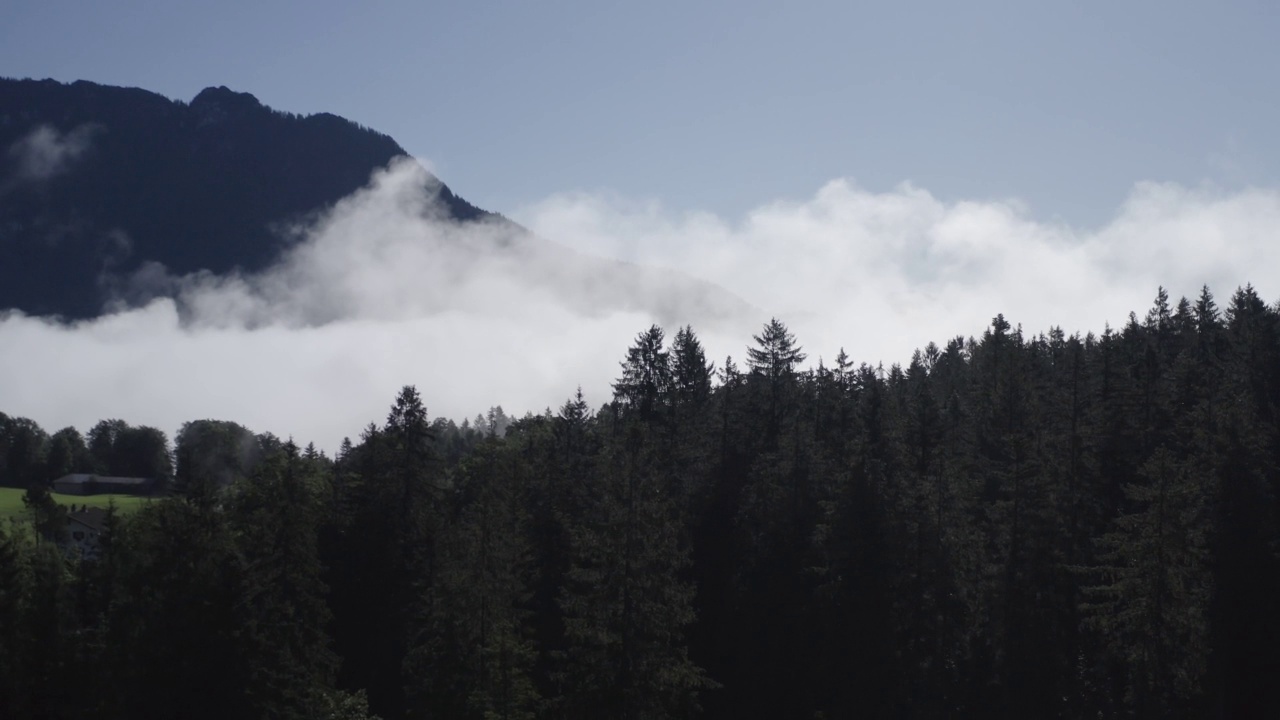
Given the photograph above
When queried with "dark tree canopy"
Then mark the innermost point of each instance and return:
(1011, 526)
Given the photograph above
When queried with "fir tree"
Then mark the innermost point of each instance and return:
(1152, 602)
(283, 597)
(645, 386)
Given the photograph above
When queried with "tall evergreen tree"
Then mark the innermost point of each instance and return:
(474, 656)
(690, 372)
(1152, 602)
(176, 615)
(626, 605)
(291, 665)
(388, 562)
(645, 386)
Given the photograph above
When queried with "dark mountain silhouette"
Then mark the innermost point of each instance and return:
(97, 180)
(98, 183)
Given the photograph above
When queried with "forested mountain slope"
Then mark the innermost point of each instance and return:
(99, 182)
(95, 180)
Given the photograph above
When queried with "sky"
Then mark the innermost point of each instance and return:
(724, 106)
(877, 175)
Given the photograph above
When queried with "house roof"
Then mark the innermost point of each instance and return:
(81, 478)
(91, 518)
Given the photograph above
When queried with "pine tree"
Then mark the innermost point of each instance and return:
(690, 372)
(1151, 604)
(928, 520)
(387, 557)
(174, 623)
(474, 656)
(776, 354)
(283, 598)
(645, 386)
(626, 604)
(47, 620)
(1245, 534)
(687, 450)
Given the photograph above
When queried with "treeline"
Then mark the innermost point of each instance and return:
(29, 455)
(1010, 526)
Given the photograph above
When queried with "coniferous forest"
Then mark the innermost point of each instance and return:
(1009, 526)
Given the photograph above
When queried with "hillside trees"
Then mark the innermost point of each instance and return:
(474, 654)
(283, 601)
(22, 452)
(212, 454)
(67, 454)
(1008, 526)
(122, 450)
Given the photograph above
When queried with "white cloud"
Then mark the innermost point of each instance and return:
(884, 273)
(379, 294)
(44, 152)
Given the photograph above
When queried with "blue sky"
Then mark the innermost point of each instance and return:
(726, 106)
(878, 176)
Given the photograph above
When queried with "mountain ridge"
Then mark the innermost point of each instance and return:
(97, 180)
(111, 197)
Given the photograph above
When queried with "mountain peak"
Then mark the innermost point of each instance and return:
(215, 104)
(225, 97)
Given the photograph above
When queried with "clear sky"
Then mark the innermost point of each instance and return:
(725, 106)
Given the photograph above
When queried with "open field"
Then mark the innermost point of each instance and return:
(11, 502)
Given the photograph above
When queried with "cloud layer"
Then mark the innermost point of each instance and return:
(380, 293)
(45, 153)
(884, 273)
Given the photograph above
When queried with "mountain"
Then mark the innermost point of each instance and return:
(95, 181)
(101, 185)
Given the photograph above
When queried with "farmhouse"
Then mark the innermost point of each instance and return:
(87, 484)
(84, 527)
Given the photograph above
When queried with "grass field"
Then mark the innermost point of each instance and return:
(11, 502)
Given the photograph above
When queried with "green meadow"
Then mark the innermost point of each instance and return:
(11, 502)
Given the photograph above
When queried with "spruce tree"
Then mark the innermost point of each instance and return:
(690, 372)
(626, 604)
(474, 655)
(1152, 599)
(644, 390)
(291, 664)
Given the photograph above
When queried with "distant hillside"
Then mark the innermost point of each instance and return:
(95, 180)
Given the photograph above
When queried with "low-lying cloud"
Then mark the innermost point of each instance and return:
(881, 274)
(381, 292)
(45, 152)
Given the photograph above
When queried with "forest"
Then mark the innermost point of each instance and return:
(1007, 526)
